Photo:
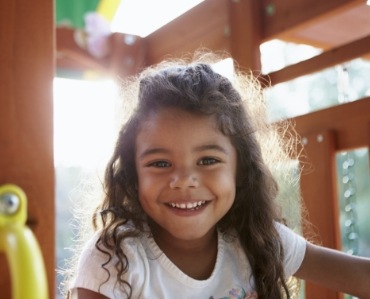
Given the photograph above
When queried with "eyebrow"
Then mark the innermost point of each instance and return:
(211, 147)
(155, 150)
(201, 148)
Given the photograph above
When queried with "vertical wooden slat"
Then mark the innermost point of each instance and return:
(245, 33)
(128, 55)
(26, 126)
(318, 190)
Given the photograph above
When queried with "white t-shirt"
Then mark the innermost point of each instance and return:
(152, 275)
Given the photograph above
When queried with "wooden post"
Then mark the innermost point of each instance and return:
(318, 190)
(26, 118)
(127, 57)
(245, 33)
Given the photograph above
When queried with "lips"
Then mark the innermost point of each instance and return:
(188, 205)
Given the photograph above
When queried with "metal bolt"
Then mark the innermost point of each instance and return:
(129, 39)
(129, 61)
(9, 203)
(270, 9)
(227, 31)
(320, 138)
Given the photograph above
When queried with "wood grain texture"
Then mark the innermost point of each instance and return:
(26, 124)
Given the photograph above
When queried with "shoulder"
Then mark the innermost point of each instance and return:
(132, 248)
(294, 246)
(128, 245)
(97, 268)
(288, 235)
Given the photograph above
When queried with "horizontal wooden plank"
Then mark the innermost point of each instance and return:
(283, 16)
(333, 30)
(125, 56)
(205, 25)
(350, 121)
(70, 55)
(327, 59)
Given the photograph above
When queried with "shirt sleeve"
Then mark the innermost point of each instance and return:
(294, 249)
(92, 276)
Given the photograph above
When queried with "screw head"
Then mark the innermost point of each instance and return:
(9, 203)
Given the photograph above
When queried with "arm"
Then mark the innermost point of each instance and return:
(336, 270)
(87, 294)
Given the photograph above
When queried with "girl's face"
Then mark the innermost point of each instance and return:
(186, 173)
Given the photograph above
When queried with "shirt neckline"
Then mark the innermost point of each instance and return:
(157, 255)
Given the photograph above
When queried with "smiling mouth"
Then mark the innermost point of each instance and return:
(188, 205)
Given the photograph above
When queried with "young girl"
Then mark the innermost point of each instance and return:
(190, 207)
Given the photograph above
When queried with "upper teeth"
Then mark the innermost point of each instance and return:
(188, 205)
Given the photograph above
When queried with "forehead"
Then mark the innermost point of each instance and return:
(173, 127)
(167, 120)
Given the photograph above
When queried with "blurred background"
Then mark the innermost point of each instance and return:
(85, 102)
(62, 63)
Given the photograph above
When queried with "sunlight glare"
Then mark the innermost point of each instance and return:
(142, 17)
(225, 68)
(84, 122)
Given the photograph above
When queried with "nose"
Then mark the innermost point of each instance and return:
(184, 178)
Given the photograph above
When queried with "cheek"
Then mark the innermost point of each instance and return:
(143, 189)
(225, 184)
(146, 181)
(144, 200)
(230, 185)
(149, 187)
(227, 178)
(142, 179)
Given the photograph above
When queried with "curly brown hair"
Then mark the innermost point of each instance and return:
(238, 105)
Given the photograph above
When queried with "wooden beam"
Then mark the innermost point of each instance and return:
(333, 30)
(26, 119)
(324, 133)
(125, 57)
(71, 56)
(349, 121)
(318, 190)
(245, 33)
(327, 59)
(128, 55)
(283, 16)
(205, 25)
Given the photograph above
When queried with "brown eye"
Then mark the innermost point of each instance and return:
(208, 161)
(160, 164)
